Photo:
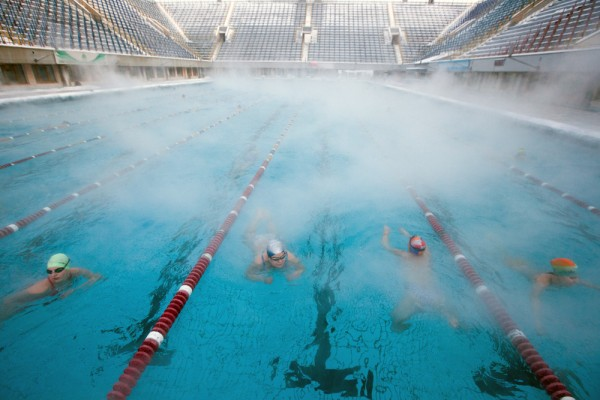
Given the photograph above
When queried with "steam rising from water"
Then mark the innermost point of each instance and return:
(337, 178)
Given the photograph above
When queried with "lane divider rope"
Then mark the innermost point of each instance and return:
(142, 358)
(562, 194)
(550, 382)
(80, 123)
(15, 226)
(10, 164)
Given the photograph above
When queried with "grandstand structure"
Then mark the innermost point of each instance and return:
(70, 42)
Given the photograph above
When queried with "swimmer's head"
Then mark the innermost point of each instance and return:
(59, 260)
(563, 267)
(274, 247)
(416, 245)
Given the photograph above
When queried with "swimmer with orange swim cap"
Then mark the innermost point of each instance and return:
(563, 274)
(59, 281)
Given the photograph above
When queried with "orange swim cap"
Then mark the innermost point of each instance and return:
(563, 266)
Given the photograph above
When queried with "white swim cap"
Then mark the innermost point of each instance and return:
(274, 247)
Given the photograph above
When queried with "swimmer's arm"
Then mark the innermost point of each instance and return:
(91, 279)
(299, 268)
(254, 273)
(404, 232)
(13, 304)
(385, 242)
(522, 267)
(253, 226)
(589, 284)
(91, 276)
(541, 283)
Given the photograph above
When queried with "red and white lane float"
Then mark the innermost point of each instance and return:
(538, 366)
(146, 351)
(10, 164)
(562, 194)
(15, 226)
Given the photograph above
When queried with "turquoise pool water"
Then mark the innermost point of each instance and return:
(337, 178)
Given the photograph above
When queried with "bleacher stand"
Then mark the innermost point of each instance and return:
(198, 20)
(558, 26)
(340, 31)
(422, 23)
(351, 33)
(265, 31)
(481, 22)
(58, 24)
(129, 23)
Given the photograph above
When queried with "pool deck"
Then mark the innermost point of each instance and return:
(23, 94)
(578, 122)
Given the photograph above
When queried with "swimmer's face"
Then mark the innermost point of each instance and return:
(416, 252)
(57, 274)
(277, 260)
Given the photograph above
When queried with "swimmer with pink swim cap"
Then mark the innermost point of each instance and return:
(421, 293)
(416, 245)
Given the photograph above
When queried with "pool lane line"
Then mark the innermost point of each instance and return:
(550, 382)
(10, 164)
(142, 358)
(562, 194)
(141, 124)
(15, 226)
(63, 125)
(67, 124)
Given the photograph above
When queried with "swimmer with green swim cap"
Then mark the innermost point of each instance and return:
(59, 260)
(59, 281)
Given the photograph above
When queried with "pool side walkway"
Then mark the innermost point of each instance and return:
(581, 123)
(11, 95)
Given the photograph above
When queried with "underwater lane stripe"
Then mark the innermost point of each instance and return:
(545, 375)
(551, 188)
(9, 229)
(142, 358)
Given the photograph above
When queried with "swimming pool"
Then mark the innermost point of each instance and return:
(338, 177)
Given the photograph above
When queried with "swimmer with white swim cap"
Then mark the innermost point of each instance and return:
(274, 256)
(61, 276)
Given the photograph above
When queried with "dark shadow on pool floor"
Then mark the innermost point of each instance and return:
(328, 380)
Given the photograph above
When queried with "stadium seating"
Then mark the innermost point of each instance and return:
(351, 32)
(557, 26)
(264, 31)
(341, 31)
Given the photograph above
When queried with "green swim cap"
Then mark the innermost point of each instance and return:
(59, 260)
